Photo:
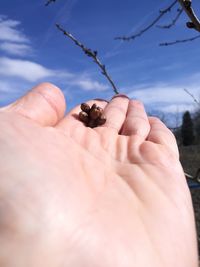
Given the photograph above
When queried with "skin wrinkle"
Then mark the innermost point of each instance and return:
(121, 152)
(132, 183)
(107, 147)
(139, 202)
(138, 194)
(80, 139)
(160, 187)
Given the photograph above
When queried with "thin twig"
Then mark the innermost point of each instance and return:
(90, 53)
(162, 13)
(193, 97)
(196, 178)
(188, 175)
(180, 11)
(49, 2)
(180, 41)
(194, 21)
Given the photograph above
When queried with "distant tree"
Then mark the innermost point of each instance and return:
(187, 129)
(196, 116)
(197, 125)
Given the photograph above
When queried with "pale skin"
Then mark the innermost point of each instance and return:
(72, 196)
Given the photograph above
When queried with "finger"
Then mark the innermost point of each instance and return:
(44, 104)
(160, 134)
(115, 112)
(136, 122)
(71, 120)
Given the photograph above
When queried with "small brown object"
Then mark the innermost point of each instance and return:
(92, 123)
(101, 120)
(85, 107)
(94, 106)
(94, 113)
(92, 117)
(83, 116)
(100, 109)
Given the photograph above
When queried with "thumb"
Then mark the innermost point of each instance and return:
(44, 104)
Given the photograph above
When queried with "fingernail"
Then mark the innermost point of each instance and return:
(120, 95)
(101, 99)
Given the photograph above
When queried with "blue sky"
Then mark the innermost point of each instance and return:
(32, 50)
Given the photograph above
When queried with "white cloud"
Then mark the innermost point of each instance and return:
(16, 48)
(168, 98)
(162, 93)
(12, 40)
(90, 85)
(24, 69)
(34, 72)
(177, 108)
(9, 31)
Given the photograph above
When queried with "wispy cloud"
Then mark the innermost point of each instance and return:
(12, 39)
(159, 93)
(24, 69)
(10, 32)
(175, 108)
(16, 49)
(88, 84)
(33, 72)
(166, 97)
(14, 42)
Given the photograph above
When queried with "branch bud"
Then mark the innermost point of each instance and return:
(190, 25)
(187, 3)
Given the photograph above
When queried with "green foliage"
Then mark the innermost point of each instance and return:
(187, 129)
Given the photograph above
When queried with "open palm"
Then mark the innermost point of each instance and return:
(74, 196)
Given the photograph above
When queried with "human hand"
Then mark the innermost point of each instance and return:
(70, 195)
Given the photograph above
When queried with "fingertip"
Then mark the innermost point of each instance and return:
(53, 95)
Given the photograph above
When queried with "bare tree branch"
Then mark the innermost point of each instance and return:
(92, 54)
(193, 97)
(162, 13)
(49, 2)
(180, 11)
(194, 21)
(180, 41)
